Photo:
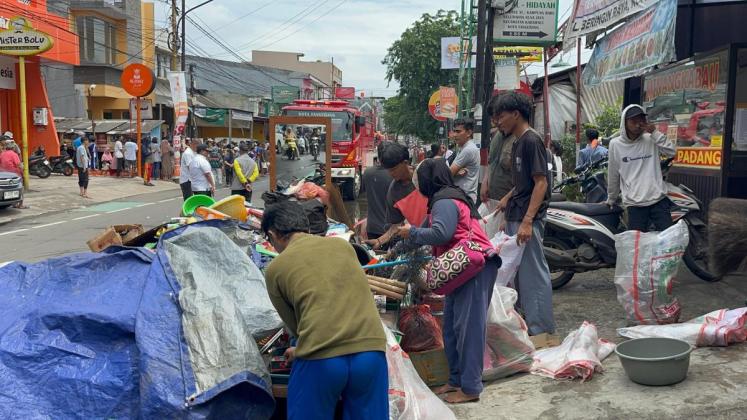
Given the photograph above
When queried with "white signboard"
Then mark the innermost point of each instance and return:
(595, 15)
(179, 98)
(527, 22)
(146, 109)
(451, 52)
(241, 115)
(507, 74)
(7, 73)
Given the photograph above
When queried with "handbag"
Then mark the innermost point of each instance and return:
(456, 266)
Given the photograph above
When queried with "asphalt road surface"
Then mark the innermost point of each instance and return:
(56, 234)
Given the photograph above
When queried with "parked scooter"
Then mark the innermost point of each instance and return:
(61, 165)
(580, 237)
(39, 166)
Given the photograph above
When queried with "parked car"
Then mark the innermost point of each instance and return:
(11, 189)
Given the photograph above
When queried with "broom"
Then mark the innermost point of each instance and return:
(727, 234)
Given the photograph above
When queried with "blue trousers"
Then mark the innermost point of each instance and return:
(533, 281)
(360, 379)
(464, 324)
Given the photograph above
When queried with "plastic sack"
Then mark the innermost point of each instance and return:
(510, 252)
(421, 330)
(409, 397)
(717, 328)
(646, 265)
(309, 190)
(491, 221)
(508, 349)
(578, 356)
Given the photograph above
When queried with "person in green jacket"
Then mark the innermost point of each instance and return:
(321, 293)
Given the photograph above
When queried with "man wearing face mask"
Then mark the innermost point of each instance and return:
(635, 171)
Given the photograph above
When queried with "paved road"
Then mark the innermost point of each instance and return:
(66, 232)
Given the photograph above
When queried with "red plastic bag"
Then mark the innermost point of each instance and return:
(421, 330)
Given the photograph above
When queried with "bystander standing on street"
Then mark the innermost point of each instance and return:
(167, 160)
(340, 352)
(635, 172)
(119, 156)
(215, 157)
(147, 156)
(376, 181)
(155, 151)
(497, 181)
(229, 156)
(525, 207)
(593, 151)
(130, 154)
(245, 171)
(466, 166)
(200, 172)
(186, 159)
(82, 161)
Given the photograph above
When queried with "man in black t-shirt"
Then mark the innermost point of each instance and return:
(525, 206)
(376, 181)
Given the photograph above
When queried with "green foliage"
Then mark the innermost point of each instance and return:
(608, 121)
(414, 61)
(568, 143)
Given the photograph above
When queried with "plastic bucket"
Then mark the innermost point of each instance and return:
(233, 206)
(655, 361)
(197, 200)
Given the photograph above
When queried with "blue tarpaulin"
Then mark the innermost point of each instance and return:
(120, 334)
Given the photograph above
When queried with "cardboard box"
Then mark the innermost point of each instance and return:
(545, 340)
(431, 366)
(114, 235)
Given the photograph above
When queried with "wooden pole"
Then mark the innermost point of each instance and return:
(24, 121)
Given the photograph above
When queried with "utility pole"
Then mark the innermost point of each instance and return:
(174, 38)
(488, 75)
(480, 65)
(184, 33)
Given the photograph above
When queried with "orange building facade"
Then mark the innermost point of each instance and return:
(41, 130)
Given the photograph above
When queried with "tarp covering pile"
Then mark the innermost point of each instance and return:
(132, 334)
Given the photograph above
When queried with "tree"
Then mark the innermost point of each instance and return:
(414, 61)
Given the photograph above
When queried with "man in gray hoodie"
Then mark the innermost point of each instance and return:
(635, 171)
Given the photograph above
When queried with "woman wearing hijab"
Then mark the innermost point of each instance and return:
(167, 160)
(452, 218)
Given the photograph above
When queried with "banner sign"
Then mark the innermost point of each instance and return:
(702, 76)
(21, 39)
(146, 109)
(345, 93)
(214, 116)
(527, 22)
(242, 115)
(285, 94)
(451, 52)
(698, 157)
(507, 74)
(434, 106)
(597, 15)
(179, 98)
(640, 44)
(524, 54)
(449, 102)
(7, 73)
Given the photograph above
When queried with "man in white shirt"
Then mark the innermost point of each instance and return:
(186, 159)
(119, 156)
(130, 155)
(466, 166)
(200, 172)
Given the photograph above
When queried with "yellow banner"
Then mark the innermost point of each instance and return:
(698, 157)
(524, 54)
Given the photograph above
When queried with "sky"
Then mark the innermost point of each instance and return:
(357, 33)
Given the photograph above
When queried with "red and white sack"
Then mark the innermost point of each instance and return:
(508, 349)
(491, 221)
(717, 328)
(510, 252)
(644, 273)
(578, 356)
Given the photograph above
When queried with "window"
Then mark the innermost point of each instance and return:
(163, 65)
(108, 115)
(97, 40)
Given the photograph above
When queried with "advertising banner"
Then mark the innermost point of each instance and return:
(451, 52)
(642, 43)
(597, 15)
(179, 98)
(434, 106)
(345, 93)
(449, 102)
(524, 54)
(285, 94)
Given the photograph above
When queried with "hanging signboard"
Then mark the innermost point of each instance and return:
(451, 51)
(213, 116)
(640, 44)
(449, 102)
(146, 108)
(524, 54)
(434, 106)
(179, 98)
(345, 92)
(138, 80)
(285, 94)
(527, 22)
(597, 15)
(21, 39)
(507, 74)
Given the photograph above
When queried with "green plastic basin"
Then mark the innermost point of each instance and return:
(197, 200)
(655, 361)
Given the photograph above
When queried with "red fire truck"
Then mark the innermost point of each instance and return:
(353, 130)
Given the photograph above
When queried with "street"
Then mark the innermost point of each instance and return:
(64, 232)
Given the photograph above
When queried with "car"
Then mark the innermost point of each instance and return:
(11, 189)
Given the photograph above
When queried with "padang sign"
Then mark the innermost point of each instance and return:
(596, 15)
(642, 43)
(21, 39)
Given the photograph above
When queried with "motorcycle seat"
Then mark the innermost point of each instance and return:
(586, 209)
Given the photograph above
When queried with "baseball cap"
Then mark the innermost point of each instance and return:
(634, 112)
(201, 147)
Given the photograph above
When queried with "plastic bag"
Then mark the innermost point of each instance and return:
(646, 264)
(421, 330)
(578, 356)
(491, 221)
(510, 252)
(409, 397)
(717, 328)
(508, 349)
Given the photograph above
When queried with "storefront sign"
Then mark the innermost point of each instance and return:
(697, 157)
(434, 106)
(285, 94)
(596, 15)
(138, 80)
(345, 93)
(449, 102)
(21, 39)
(179, 98)
(241, 115)
(642, 43)
(527, 22)
(7, 73)
(704, 76)
(451, 53)
(146, 109)
(215, 116)
(524, 54)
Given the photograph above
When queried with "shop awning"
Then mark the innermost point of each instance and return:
(109, 125)
(69, 125)
(147, 127)
(218, 117)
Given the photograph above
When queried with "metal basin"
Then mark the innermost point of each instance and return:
(655, 361)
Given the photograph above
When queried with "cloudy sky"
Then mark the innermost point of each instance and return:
(356, 33)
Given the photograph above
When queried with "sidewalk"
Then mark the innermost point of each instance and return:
(58, 193)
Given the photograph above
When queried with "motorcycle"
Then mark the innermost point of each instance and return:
(291, 151)
(62, 165)
(39, 166)
(314, 146)
(580, 237)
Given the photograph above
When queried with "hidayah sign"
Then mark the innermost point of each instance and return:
(640, 44)
(698, 157)
(21, 39)
(596, 15)
(527, 22)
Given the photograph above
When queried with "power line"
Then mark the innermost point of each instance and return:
(285, 25)
(304, 26)
(240, 18)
